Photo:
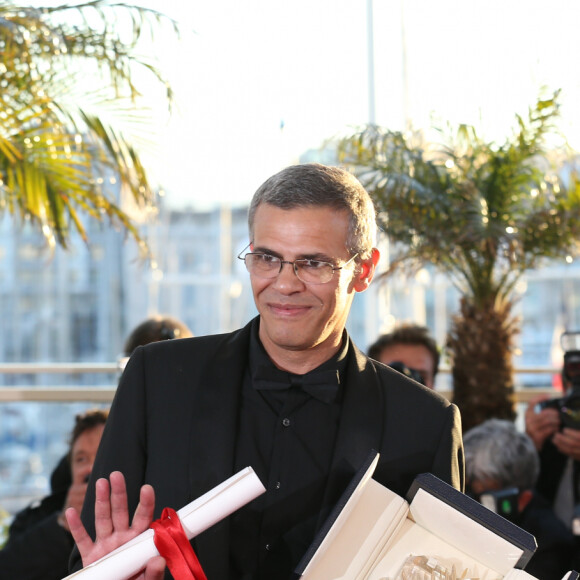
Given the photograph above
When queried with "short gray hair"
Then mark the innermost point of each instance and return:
(313, 184)
(497, 450)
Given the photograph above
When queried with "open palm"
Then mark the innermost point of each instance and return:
(112, 524)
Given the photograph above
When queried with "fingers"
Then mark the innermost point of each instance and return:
(144, 512)
(568, 442)
(112, 523)
(540, 426)
(119, 508)
(111, 510)
(103, 522)
(83, 541)
(547, 420)
(547, 415)
(155, 568)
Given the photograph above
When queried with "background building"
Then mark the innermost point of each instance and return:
(78, 306)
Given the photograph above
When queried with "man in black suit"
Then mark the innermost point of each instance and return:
(289, 394)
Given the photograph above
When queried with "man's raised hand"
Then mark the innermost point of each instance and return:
(112, 525)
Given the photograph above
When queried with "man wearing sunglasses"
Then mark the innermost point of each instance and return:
(411, 346)
(288, 394)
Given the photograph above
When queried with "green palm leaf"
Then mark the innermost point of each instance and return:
(60, 161)
(484, 214)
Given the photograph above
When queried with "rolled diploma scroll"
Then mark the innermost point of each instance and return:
(195, 517)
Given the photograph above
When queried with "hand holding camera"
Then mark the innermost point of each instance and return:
(542, 421)
(559, 419)
(567, 441)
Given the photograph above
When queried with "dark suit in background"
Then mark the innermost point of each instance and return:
(552, 472)
(37, 547)
(554, 556)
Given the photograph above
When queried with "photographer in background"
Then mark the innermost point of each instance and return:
(554, 427)
(501, 469)
(39, 540)
(559, 449)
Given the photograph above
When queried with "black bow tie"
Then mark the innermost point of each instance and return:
(322, 385)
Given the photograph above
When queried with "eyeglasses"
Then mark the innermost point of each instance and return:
(308, 271)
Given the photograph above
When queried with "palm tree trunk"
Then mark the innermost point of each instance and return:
(480, 344)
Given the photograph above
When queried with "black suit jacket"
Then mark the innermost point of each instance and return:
(552, 467)
(37, 548)
(554, 556)
(173, 424)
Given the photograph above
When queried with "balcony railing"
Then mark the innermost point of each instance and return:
(104, 393)
(101, 393)
(26, 476)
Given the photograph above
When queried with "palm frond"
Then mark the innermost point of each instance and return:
(482, 212)
(58, 161)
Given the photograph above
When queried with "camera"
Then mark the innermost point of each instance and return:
(569, 405)
(503, 502)
(408, 372)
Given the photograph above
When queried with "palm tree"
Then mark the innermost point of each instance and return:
(62, 69)
(483, 214)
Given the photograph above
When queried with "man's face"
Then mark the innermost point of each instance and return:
(414, 356)
(83, 453)
(304, 322)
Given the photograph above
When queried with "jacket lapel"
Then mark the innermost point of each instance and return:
(213, 431)
(360, 429)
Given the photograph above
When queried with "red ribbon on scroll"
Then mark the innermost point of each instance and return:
(172, 543)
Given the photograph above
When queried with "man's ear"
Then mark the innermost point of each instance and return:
(524, 498)
(366, 271)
